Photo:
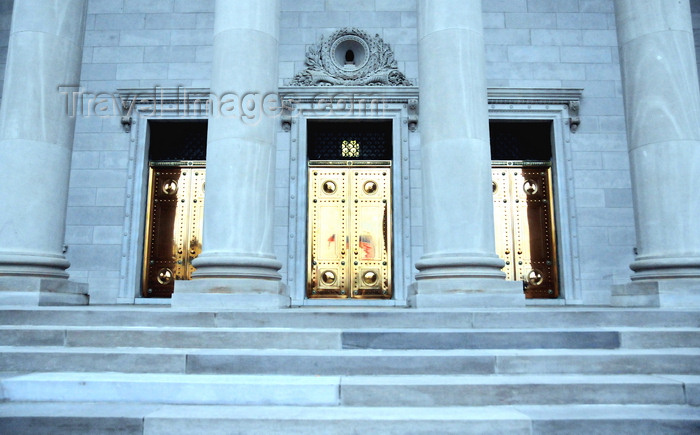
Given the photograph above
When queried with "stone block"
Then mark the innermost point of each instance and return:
(559, 71)
(495, 390)
(141, 71)
(108, 235)
(117, 54)
(377, 19)
(517, 53)
(33, 291)
(204, 54)
(552, 6)
(98, 178)
(513, 339)
(587, 55)
(403, 35)
(234, 293)
(302, 5)
(171, 21)
(558, 37)
(78, 235)
(98, 71)
(582, 21)
(170, 53)
(409, 19)
(604, 179)
(396, 5)
(493, 20)
(190, 6)
(139, 38)
(504, 5)
(173, 389)
(600, 142)
(205, 21)
(325, 19)
(603, 72)
(119, 21)
(114, 159)
(95, 257)
(604, 6)
(189, 70)
(615, 198)
(531, 20)
(151, 6)
(600, 37)
(87, 360)
(349, 5)
(584, 362)
(339, 363)
(104, 7)
(506, 36)
(95, 215)
(191, 37)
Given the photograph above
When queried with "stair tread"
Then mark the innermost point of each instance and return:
(526, 412)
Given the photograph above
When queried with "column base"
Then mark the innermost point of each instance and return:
(34, 291)
(466, 293)
(230, 294)
(669, 293)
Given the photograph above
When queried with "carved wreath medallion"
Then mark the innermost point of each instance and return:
(350, 57)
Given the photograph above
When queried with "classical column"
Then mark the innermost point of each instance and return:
(237, 268)
(36, 140)
(662, 109)
(459, 266)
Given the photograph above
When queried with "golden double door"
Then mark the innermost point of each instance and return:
(524, 224)
(349, 230)
(174, 225)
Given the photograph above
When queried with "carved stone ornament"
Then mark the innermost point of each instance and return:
(350, 57)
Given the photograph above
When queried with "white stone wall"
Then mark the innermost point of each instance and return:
(128, 43)
(530, 43)
(573, 43)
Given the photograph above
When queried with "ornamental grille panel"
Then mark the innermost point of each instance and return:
(178, 141)
(174, 225)
(349, 234)
(520, 140)
(524, 225)
(349, 140)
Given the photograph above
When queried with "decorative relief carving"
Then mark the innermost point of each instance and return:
(350, 57)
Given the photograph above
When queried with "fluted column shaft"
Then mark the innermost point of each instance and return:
(36, 135)
(237, 257)
(459, 252)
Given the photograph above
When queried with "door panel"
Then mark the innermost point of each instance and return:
(524, 223)
(174, 226)
(349, 232)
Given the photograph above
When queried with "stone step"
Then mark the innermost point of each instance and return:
(418, 390)
(350, 361)
(99, 418)
(310, 338)
(354, 318)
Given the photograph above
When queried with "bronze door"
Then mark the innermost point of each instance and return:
(524, 224)
(349, 231)
(174, 225)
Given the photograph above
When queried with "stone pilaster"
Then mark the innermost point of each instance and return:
(36, 140)
(459, 266)
(662, 109)
(237, 268)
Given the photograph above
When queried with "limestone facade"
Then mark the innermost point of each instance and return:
(549, 45)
